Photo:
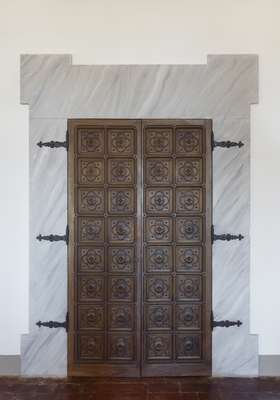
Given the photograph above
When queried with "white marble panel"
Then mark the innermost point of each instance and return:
(222, 90)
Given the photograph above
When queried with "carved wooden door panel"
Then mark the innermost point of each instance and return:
(140, 247)
(177, 245)
(104, 261)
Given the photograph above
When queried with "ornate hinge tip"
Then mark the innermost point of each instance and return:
(54, 324)
(224, 323)
(55, 238)
(227, 144)
(53, 144)
(225, 236)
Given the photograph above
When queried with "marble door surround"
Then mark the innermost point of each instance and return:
(222, 90)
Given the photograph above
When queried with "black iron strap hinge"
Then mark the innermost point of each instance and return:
(54, 144)
(55, 324)
(225, 236)
(227, 144)
(224, 323)
(55, 238)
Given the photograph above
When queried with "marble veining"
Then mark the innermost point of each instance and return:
(56, 90)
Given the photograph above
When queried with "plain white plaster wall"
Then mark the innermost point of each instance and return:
(140, 32)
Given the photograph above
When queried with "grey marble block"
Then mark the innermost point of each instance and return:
(223, 90)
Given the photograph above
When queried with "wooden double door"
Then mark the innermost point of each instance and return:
(139, 200)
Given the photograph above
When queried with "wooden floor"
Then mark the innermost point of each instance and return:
(140, 389)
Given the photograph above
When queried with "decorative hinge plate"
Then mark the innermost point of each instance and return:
(55, 324)
(55, 238)
(225, 236)
(224, 323)
(227, 144)
(53, 144)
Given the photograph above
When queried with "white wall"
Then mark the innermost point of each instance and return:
(144, 32)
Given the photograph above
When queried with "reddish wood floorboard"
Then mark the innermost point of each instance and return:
(140, 389)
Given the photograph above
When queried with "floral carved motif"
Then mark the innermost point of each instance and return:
(91, 201)
(188, 229)
(121, 141)
(159, 347)
(91, 317)
(121, 259)
(188, 171)
(159, 258)
(91, 171)
(121, 317)
(159, 317)
(158, 288)
(91, 346)
(188, 287)
(91, 288)
(91, 140)
(159, 229)
(158, 140)
(121, 347)
(91, 259)
(122, 289)
(188, 200)
(158, 171)
(188, 258)
(121, 171)
(91, 229)
(121, 201)
(121, 230)
(188, 316)
(188, 346)
(188, 141)
(159, 201)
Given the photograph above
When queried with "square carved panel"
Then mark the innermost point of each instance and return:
(121, 230)
(121, 317)
(91, 259)
(188, 259)
(91, 317)
(90, 171)
(188, 346)
(91, 288)
(159, 229)
(158, 317)
(121, 141)
(91, 141)
(158, 288)
(159, 259)
(91, 346)
(121, 347)
(121, 259)
(121, 201)
(188, 141)
(158, 171)
(121, 288)
(158, 201)
(188, 287)
(158, 346)
(121, 171)
(189, 171)
(188, 316)
(189, 200)
(189, 229)
(158, 141)
(91, 201)
(90, 229)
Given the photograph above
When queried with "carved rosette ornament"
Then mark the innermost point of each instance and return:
(188, 141)
(92, 259)
(159, 347)
(91, 141)
(121, 141)
(91, 172)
